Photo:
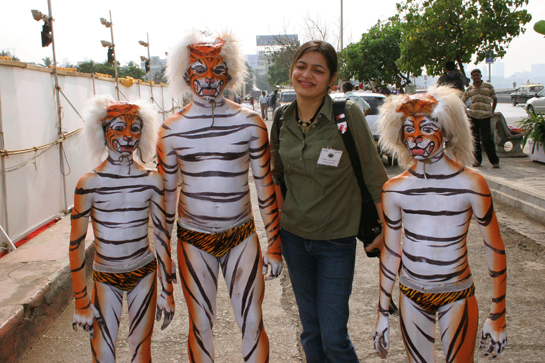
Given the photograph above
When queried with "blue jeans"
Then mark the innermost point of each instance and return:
(321, 274)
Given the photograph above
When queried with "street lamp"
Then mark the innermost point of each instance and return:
(148, 60)
(47, 39)
(46, 29)
(111, 49)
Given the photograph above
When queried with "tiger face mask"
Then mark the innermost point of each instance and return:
(422, 133)
(122, 128)
(207, 74)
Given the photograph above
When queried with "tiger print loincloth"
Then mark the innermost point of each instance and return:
(217, 244)
(431, 302)
(125, 281)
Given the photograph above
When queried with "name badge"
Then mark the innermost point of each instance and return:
(330, 157)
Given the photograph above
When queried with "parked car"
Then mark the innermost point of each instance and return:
(286, 96)
(537, 103)
(374, 100)
(525, 92)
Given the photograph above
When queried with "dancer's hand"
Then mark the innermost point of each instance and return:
(165, 303)
(85, 318)
(381, 336)
(276, 264)
(498, 338)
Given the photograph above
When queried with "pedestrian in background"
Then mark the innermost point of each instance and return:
(483, 104)
(348, 88)
(273, 100)
(263, 104)
(321, 211)
(453, 77)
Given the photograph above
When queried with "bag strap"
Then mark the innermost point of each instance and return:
(277, 121)
(339, 107)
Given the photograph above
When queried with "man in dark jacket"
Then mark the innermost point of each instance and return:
(453, 77)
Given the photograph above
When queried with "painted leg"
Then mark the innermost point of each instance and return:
(108, 300)
(458, 323)
(199, 276)
(142, 302)
(418, 331)
(241, 268)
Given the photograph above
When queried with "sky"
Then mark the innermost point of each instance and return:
(78, 30)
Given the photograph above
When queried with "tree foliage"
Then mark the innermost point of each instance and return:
(374, 57)
(437, 31)
(46, 62)
(280, 62)
(131, 70)
(4, 53)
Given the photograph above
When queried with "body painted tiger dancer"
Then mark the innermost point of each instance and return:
(213, 142)
(118, 196)
(432, 204)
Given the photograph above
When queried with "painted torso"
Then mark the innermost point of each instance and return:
(436, 214)
(213, 156)
(120, 210)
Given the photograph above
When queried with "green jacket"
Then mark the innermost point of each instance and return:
(324, 202)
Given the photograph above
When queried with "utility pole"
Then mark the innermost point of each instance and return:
(341, 25)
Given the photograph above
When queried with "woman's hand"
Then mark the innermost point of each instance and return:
(85, 318)
(378, 243)
(276, 264)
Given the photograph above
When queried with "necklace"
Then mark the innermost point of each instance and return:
(307, 123)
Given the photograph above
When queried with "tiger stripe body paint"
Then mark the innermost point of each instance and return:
(211, 144)
(119, 197)
(430, 206)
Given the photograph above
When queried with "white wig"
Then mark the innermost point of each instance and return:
(96, 112)
(179, 61)
(451, 114)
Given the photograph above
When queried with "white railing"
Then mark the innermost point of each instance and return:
(41, 163)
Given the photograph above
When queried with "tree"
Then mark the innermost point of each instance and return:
(249, 84)
(280, 61)
(46, 62)
(437, 31)
(374, 57)
(4, 53)
(131, 70)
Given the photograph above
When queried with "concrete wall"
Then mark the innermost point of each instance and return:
(38, 192)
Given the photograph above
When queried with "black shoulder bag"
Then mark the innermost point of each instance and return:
(370, 227)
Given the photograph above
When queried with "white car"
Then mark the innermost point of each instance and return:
(537, 103)
(374, 100)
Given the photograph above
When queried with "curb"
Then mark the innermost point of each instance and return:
(22, 323)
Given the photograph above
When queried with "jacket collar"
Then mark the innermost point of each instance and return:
(326, 111)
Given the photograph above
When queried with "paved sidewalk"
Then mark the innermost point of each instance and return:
(35, 283)
(35, 287)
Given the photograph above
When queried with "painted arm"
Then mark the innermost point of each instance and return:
(390, 259)
(260, 161)
(85, 313)
(167, 165)
(495, 325)
(165, 301)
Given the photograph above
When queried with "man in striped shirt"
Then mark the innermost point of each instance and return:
(483, 104)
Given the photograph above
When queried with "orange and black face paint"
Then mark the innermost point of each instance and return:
(421, 132)
(122, 127)
(207, 74)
